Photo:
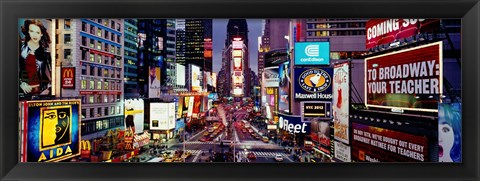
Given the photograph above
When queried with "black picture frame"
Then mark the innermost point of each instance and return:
(11, 11)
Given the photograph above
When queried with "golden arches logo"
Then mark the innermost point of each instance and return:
(68, 73)
(85, 145)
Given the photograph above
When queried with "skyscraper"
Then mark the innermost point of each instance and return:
(130, 59)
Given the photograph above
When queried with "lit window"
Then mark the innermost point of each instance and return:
(99, 45)
(99, 58)
(105, 86)
(84, 84)
(99, 85)
(92, 43)
(91, 100)
(99, 32)
(67, 24)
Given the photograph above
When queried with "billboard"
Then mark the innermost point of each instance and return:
(51, 130)
(180, 74)
(36, 69)
(189, 101)
(320, 132)
(342, 152)
(312, 53)
(68, 77)
(409, 79)
(313, 84)
(315, 109)
(134, 115)
(162, 116)
(384, 31)
(214, 79)
(196, 105)
(196, 77)
(450, 132)
(293, 124)
(374, 144)
(341, 102)
(154, 85)
(284, 87)
(237, 43)
(237, 63)
(271, 77)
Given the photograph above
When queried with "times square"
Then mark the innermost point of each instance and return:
(240, 90)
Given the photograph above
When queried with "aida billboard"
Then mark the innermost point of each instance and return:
(312, 53)
(384, 31)
(313, 83)
(50, 130)
(409, 79)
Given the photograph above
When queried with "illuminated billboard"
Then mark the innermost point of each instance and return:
(51, 130)
(313, 84)
(154, 86)
(271, 77)
(134, 115)
(384, 31)
(162, 116)
(312, 53)
(196, 77)
(284, 87)
(180, 74)
(341, 102)
(409, 79)
(37, 69)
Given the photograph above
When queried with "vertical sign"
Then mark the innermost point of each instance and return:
(341, 102)
(68, 77)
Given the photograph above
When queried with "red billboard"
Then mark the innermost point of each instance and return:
(374, 144)
(384, 31)
(68, 77)
(409, 79)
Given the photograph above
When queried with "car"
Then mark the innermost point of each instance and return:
(156, 159)
(279, 158)
(210, 129)
(206, 134)
(213, 135)
(265, 139)
(244, 130)
(251, 156)
(186, 154)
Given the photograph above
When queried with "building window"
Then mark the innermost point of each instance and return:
(84, 113)
(84, 26)
(67, 24)
(118, 85)
(99, 32)
(106, 34)
(92, 70)
(112, 24)
(84, 84)
(105, 85)
(118, 109)
(99, 21)
(98, 125)
(99, 58)
(105, 73)
(112, 37)
(99, 45)
(112, 48)
(105, 111)
(105, 124)
(67, 39)
(99, 111)
(118, 39)
(106, 59)
(92, 29)
(118, 98)
(67, 53)
(99, 71)
(118, 26)
(113, 86)
(99, 85)
(84, 41)
(91, 112)
(118, 63)
(92, 57)
(105, 22)
(112, 110)
(92, 43)
(91, 100)
(92, 84)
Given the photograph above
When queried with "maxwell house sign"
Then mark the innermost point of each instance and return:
(313, 84)
(312, 53)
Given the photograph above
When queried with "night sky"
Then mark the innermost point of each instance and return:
(220, 33)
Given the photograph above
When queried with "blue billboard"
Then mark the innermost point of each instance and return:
(293, 124)
(312, 53)
(284, 87)
(313, 84)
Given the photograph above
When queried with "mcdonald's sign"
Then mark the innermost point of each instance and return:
(85, 148)
(68, 77)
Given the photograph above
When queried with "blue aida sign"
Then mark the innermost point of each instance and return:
(312, 53)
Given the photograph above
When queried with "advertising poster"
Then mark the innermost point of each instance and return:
(51, 130)
(341, 102)
(321, 134)
(409, 79)
(342, 152)
(189, 101)
(374, 144)
(315, 109)
(68, 77)
(154, 89)
(284, 87)
(161, 116)
(36, 65)
(293, 124)
(135, 109)
(196, 105)
(385, 31)
(180, 74)
(312, 53)
(313, 84)
(214, 79)
(180, 107)
(196, 77)
(271, 77)
(450, 132)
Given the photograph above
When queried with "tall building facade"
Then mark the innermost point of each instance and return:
(169, 42)
(130, 58)
(198, 38)
(94, 48)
